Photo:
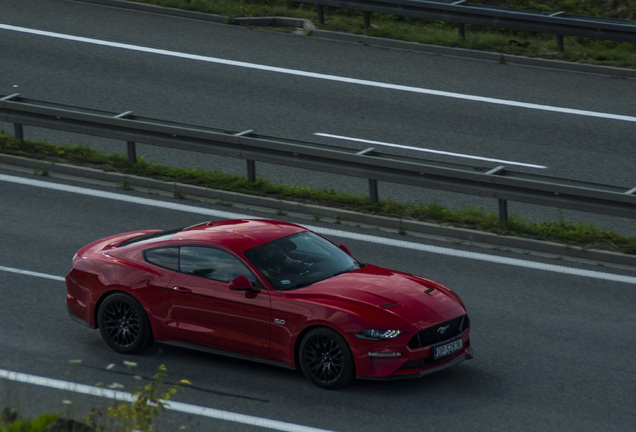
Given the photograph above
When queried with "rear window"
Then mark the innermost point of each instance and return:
(157, 236)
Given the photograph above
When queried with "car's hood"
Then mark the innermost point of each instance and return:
(404, 296)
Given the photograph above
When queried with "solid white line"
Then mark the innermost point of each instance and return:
(440, 152)
(307, 74)
(326, 231)
(31, 273)
(170, 405)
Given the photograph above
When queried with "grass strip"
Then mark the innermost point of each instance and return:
(504, 41)
(574, 234)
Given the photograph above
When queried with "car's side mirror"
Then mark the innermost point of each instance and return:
(345, 249)
(241, 283)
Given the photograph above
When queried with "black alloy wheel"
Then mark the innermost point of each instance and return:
(326, 360)
(123, 324)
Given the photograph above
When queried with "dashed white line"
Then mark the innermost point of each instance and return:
(426, 150)
(31, 273)
(322, 76)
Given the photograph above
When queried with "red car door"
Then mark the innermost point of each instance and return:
(209, 313)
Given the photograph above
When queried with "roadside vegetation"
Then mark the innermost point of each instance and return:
(574, 234)
(424, 31)
(138, 415)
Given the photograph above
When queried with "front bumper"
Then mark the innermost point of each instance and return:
(466, 354)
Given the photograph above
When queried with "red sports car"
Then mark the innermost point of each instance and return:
(271, 291)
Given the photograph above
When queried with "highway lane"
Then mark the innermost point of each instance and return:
(553, 351)
(276, 104)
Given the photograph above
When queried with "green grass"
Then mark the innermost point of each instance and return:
(139, 415)
(578, 234)
(10, 422)
(441, 33)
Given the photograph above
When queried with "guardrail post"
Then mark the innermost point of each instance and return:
(560, 47)
(251, 170)
(373, 190)
(503, 210)
(18, 132)
(251, 164)
(321, 14)
(373, 183)
(367, 19)
(461, 30)
(132, 151)
(503, 204)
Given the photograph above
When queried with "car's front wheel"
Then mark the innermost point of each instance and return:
(123, 324)
(325, 359)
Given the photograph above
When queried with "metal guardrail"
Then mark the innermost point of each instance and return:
(462, 13)
(498, 183)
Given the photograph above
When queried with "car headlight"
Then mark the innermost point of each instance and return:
(376, 335)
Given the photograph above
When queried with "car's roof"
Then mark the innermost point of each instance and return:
(237, 234)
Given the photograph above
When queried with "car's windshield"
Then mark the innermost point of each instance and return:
(300, 260)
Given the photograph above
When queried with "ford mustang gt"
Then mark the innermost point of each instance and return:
(270, 291)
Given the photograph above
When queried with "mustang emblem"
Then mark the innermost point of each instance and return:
(442, 329)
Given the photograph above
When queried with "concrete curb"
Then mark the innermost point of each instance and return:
(306, 27)
(447, 233)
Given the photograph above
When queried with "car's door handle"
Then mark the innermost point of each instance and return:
(182, 290)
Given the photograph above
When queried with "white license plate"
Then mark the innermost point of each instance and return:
(447, 349)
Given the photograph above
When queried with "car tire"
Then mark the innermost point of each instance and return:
(123, 324)
(325, 359)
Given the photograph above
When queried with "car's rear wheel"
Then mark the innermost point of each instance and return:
(123, 324)
(325, 359)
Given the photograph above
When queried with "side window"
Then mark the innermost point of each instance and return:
(164, 257)
(212, 263)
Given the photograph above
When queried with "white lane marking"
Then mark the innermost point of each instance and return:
(31, 273)
(440, 152)
(315, 75)
(326, 231)
(170, 405)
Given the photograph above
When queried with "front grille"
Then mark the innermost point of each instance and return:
(419, 364)
(439, 332)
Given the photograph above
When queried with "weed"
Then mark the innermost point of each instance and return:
(149, 402)
(401, 227)
(178, 193)
(13, 423)
(223, 203)
(124, 184)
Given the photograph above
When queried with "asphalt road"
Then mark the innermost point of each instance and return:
(553, 345)
(553, 341)
(394, 105)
